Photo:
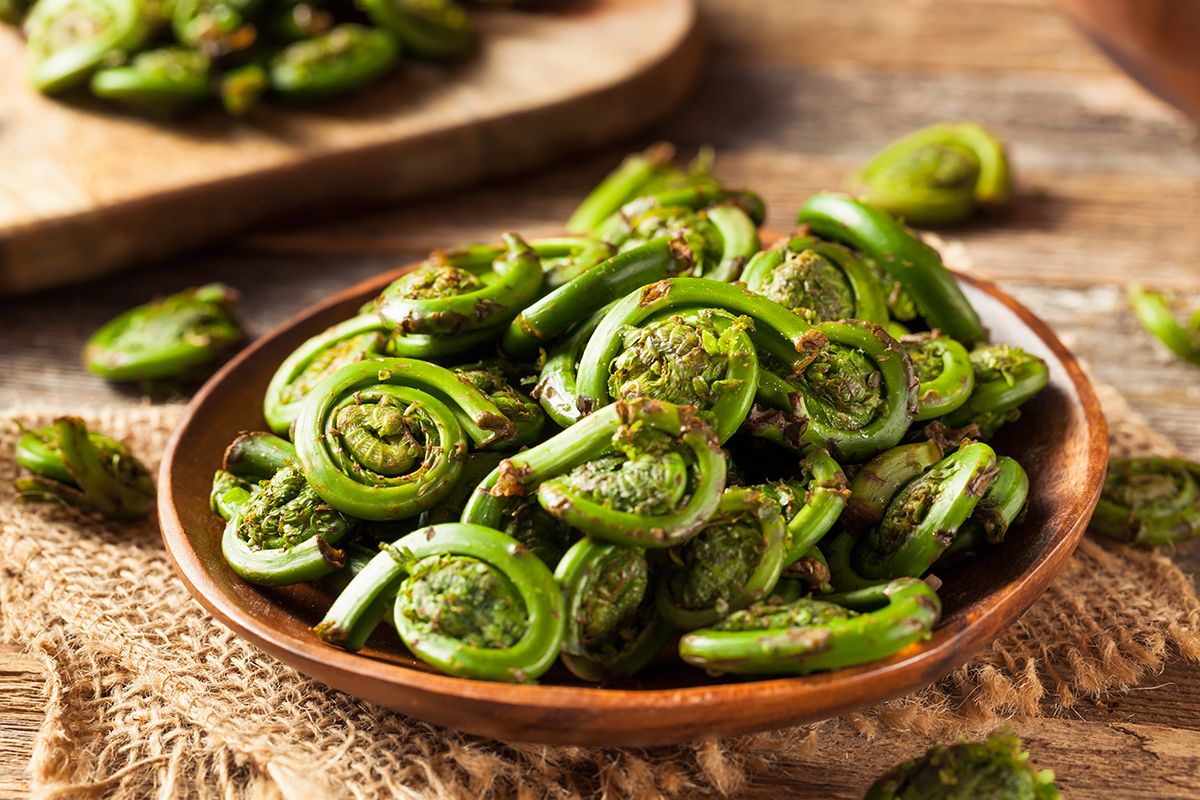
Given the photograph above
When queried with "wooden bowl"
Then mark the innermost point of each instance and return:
(1061, 439)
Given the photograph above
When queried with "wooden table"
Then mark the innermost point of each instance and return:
(799, 94)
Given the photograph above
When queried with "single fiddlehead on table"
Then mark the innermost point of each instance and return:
(735, 560)
(997, 768)
(915, 265)
(386, 439)
(612, 626)
(939, 174)
(809, 635)
(641, 473)
(1154, 311)
(161, 81)
(1149, 501)
(468, 599)
(346, 57)
(821, 281)
(175, 338)
(71, 39)
(74, 466)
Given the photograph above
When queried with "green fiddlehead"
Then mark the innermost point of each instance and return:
(386, 439)
(1000, 506)
(700, 357)
(939, 174)
(874, 486)
(519, 408)
(637, 174)
(159, 81)
(915, 265)
(735, 560)
(560, 310)
(1156, 315)
(71, 39)
(612, 627)
(721, 237)
(70, 465)
(432, 29)
(174, 338)
(563, 258)
(347, 57)
(1006, 377)
(998, 769)
(445, 297)
(216, 27)
(944, 371)
(1149, 501)
(809, 635)
(640, 473)
(357, 339)
(811, 503)
(558, 384)
(468, 599)
(820, 281)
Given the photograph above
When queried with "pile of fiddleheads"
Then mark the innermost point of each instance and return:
(164, 57)
(647, 437)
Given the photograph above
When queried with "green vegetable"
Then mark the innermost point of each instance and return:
(347, 57)
(1006, 378)
(939, 174)
(71, 39)
(433, 29)
(997, 769)
(164, 81)
(944, 371)
(1154, 311)
(72, 465)
(175, 338)
(1149, 501)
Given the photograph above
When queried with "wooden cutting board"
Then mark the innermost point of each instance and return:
(85, 190)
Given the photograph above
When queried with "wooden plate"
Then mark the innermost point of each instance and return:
(1061, 439)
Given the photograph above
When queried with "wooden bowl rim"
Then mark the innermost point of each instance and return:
(815, 696)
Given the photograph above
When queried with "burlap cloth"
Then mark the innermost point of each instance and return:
(147, 696)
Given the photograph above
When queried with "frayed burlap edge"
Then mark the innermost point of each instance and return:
(147, 696)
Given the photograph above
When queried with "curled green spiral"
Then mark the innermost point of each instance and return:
(612, 627)
(698, 357)
(345, 58)
(558, 383)
(386, 439)
(71, 465)
(467, 599)
(939, 174)
(1001, 506)
(70, 39)
(721, 237)
(809, 635)
(878, 481)
(519, 408)
(451, 296)
(563, 258)
(639, 473)
(811, 503)
(1006, 377)
(162, 81)
(821, 281)
(354, 340)
(944, 371)
(734, 560)
(915, 265)
(1156, 315)
(173, 338)
(1150, 501)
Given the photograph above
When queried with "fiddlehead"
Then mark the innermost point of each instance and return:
(469, 600)
(658, 487)
(560, 310)
(1001, 505)
(160, 81)
(735, 560)
(702, 357)
(612, 627)
(347, 57)
(1149, 501)
(874, 486)
(558, 384)
(721, 238)
(638, 174)
(1006, 377)
(920, 523)
(945, 374)
(563, 258)
(939, 174)
(808, 635)
(354, 340)
(820, 281)
(519, 408)
(386, 439)
(811, 503)
(71, 465)
(997, 768)
(432, 29)
(1155, 313)
(216, 27)
(916, 265)
(174, 338)
(70, 39)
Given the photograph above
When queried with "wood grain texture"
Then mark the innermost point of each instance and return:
(76, 200)
(1111, 190)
